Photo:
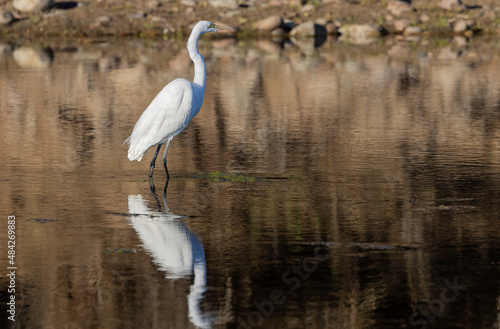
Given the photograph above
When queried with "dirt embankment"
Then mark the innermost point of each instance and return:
(174, 18)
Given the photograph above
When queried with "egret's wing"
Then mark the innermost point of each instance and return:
(166, 116)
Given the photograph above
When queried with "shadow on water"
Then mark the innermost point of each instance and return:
(174, 248)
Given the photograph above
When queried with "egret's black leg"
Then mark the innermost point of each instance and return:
(152, 185)
(152, 166)
(165, 159)
(153, 191)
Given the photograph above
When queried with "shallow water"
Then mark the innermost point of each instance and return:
(367, 195)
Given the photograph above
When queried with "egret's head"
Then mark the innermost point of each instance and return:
(206, 27)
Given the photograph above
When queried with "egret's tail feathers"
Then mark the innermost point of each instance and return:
(134, 152)
(132, 156)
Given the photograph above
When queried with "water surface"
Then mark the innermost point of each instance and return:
(368, 195)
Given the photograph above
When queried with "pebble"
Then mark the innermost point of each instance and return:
(451, 4)
(269, 23)
(27, 6)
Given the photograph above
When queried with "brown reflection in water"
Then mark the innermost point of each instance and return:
(377, 144)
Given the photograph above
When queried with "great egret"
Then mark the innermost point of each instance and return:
(173, 108)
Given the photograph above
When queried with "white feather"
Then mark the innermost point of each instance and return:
(174, 107)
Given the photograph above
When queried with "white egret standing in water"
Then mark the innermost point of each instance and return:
(174, 107)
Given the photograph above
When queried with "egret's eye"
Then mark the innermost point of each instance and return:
(212, 25)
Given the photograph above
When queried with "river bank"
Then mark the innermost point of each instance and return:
(273, 18)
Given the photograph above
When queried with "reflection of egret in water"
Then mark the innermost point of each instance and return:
(175, 249)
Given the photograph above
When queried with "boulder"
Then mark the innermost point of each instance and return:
(360, 34)
(27, 6)
(359, 30)
(451, 4)
(397, 7)
(401, 24)
(229, 4)
(308, 29)
(269, 23)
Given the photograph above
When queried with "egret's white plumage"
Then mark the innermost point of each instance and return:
(173, 108)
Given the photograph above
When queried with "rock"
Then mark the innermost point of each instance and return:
(397, 7)
(451, 4)
(104, 20)
(359, 33)
(331, 29)
(188, 3)
(401, 24)
(308, 29)
(412, 30)
(279, 32)
(424, 18)
(229, 4)
(154, 4)
(460, 26)
(27, 6)
(321, 21)
(308, 7)
(6, 17)
(269, 23)
(355, 30)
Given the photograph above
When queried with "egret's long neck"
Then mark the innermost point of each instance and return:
(200, 73)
